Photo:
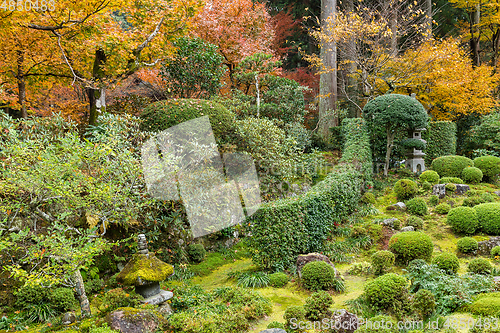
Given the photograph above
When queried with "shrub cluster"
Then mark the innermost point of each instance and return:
(447, 261)
(385, 290)
(443, 209)
(467, 245)
(489, 165)
(356, 147)
(405, 189)
(475, 200)
(463, 220)
(417, 206)
(416, 222)
(472, 175)
(382, 261)
(318, 275)
(411, 245)
(317, 305)
(488, 215)
(430, 176)
(57, 300)
(441, 140)
(486, 305)
(479, 266)
(451, 166)
(368, 198)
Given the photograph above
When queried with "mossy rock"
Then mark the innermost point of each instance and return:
(144, 268)
(128, 320)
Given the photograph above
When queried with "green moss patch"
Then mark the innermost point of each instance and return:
(143, 267)
(485, 305)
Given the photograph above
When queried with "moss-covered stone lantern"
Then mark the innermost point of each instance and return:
(145, 272)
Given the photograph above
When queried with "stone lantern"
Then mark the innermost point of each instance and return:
(145, 272)
(414, 157)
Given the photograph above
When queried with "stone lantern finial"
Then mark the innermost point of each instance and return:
(142, 244)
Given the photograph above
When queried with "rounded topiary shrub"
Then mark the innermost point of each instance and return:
(467, 245)
(430, 176)
(488, 215)
(426, 186)
(472, 175)
(410, 245)
(479, 266)
(424, 303)
(447, 261)
(318, 275)
(278, 279)
(296, 312)
(451, 180)
(382, 261)
(463, 220)
(276, 324)
(385, 290)
(489, 165)
(417, 206)
(433, 200)
(405, 189)
(450, 188)
(443, 209)
(416, 222)
(196, 252)
(451, 166)
(161, 115)
(317, 305)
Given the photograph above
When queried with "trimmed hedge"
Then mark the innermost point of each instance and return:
(451, 180)
(472, 175)
(430, 176)
(318, 275)
(489, 165)
(463, 220)
(417, 206)
(443, 209)
(405, 189)
(488, 215)
(411, 245)
(385, 290)
(447, 261)
(356, 148)
(451, 166)
(479, 266)
(441, 137)
(382, 261)
(467, 245)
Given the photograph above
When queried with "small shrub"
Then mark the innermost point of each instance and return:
(416, 222)
(451, 166)
(451, 180)
(318, 275)
(426, 186)
(442, 209)
(317, 305)
(417, 206)
(360, 268)
(114, 299)
(298, 313)
(450, 188)
(447, 261)
(385, 290)
(479, 266)
(467, 245)
(62, 299)
(433, 200)
(472, 175)
(411, 245)
(382, 261)
(488, 215)
(489, 165)
(375, 231)
(495, 252)
(275, 324)
(405, 189)
(253, 280)
(278, 279)
(358, 231)
(430, 176)
(424, 303)
(463, 220)
(368, 198)
(196, 252)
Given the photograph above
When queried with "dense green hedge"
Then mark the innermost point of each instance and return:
(488, 216)
(284, 228)
(451, 166)
(441, 139)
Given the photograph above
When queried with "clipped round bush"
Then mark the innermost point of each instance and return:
(368, 198)
(488, 215)
(447, 261)
(163, 114)
(430, 176)
(278, 279)
(196, 252)
(296, 312)
(450, 188)
(495, 252)
(451, 180)
(426, 186)
(317, 305)
(318, 275)
(451, 166)
(467, 245)
(416, 222)
(443, 209)
(433, 200)
(417, 206)
(479, 266)
(385, 290)
(410, 245)
(489, 165)
(472, 175)
(405, 189)
(486, 305)
(424, 303)
(382, 261)
(463, 220)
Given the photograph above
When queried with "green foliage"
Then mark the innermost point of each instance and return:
(413, 144)
(253, 280)
(443, 209)
(488, 215)
(411, 245)
(405, 189)
(451, 166)
(416, 222)
(495, 252)
(426, 186)
(93, 286)
(489, 165)
(430, 176)
(486, 134)
(382, 262)
(472, 175)
(441, 137)
(386, 290)
(433, 200)
(451, 180)
(194, 71)
(478, 199)
(479, 266)
(417, 206)
(447, 261)
(424, 303)
(356, 147)
(114, 299)
(467, 245)
(275, 324)
(62, 299)
(463, 220)
(41, 304)
(318, 275)
(485, 305)
(368, 198)
(450, 188)
(102, 329)
(360, 268)
(278, 279)
(196, 252)
(379, 324)
(317, 305)
(296, 312)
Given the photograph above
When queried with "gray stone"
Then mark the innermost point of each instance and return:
(496, 279)
(129, 320)
(273, 330)
(462, 188)
(485, 247)
(159, 298)
(389, 222)
(303, 259)
(68, 318)
(439, 190)
(344, 322)
(408, 228)
(400, 206)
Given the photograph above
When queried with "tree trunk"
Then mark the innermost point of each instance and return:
(394, 29)
(352, 68)
(328, 80)
(428, 18)
(80, 292)
(496, 47)
(474, 41)
(390, 144)
(258, 94)
(21, 83)
(95, 94)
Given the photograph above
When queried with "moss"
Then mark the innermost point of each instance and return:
(137, 315)
(144, 267)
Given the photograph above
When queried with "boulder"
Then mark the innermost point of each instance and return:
(344, 322)
(439, 190)
(408, 228)
(130, 320)
(461, 189)
(484, 247)
(399, 206)
(389, 222)
(68, 318)
(303, 259)
(273, 330)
